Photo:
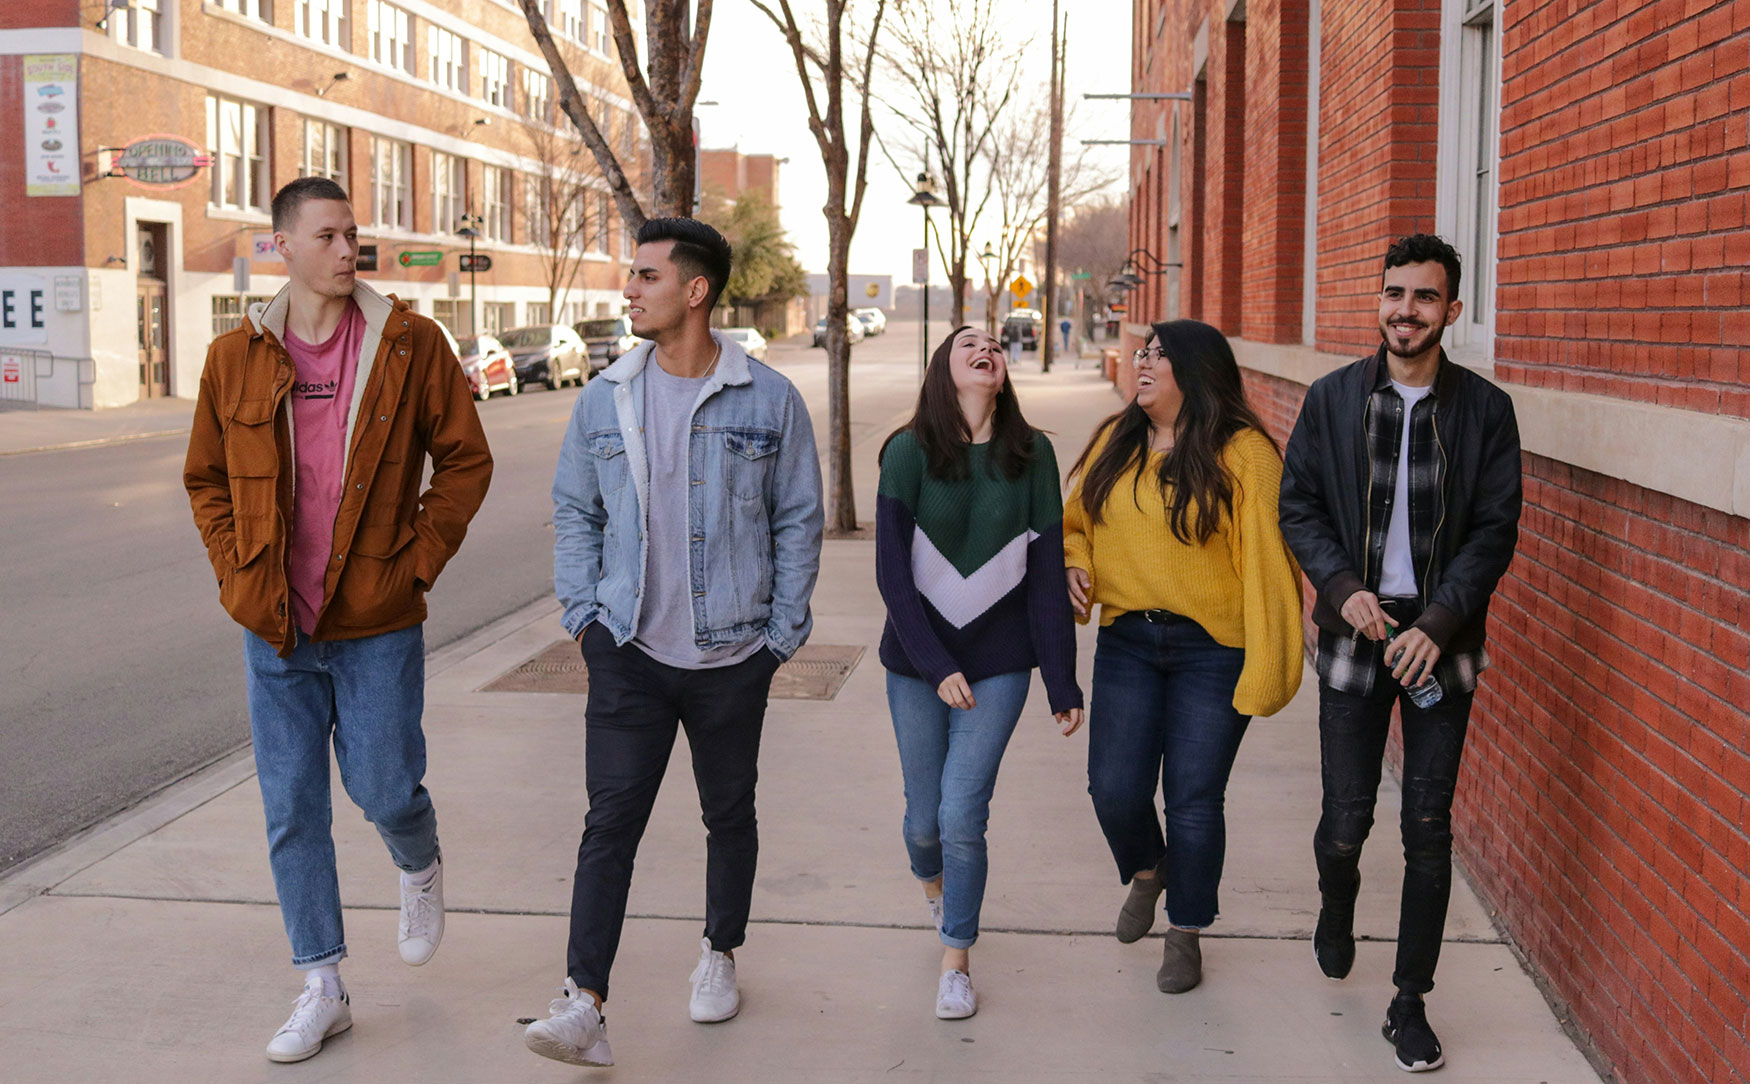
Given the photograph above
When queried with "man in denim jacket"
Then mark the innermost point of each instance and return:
(687, 515)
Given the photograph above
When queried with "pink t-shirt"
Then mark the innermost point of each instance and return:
(321, 405)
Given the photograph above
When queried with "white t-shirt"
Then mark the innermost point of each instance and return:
(1397, 573)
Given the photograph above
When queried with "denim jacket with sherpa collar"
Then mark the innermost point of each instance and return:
(754, 510)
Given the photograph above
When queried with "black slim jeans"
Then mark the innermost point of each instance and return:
(629, 731)
(1352, 734)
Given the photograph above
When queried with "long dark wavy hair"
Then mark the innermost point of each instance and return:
(1195, 486)
(941, 430)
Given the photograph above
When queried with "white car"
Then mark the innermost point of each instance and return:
(750, 339)
(874, 320)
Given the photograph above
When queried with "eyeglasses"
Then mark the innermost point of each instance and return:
(1150, 354)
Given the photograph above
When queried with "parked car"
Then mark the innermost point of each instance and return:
(874, 320)
(853, 330)
(750, 339)
(607, 338)
(552, 354)
(1023, 325)
(488, 366)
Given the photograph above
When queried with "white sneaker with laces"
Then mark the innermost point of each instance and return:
(954, 997)
(715, 995)
(936, 914)
(574, 1032)
(422, 917)
(314, 1018)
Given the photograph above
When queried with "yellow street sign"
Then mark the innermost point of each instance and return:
(1020, 287)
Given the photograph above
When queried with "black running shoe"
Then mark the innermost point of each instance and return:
(1406, 1028)
(1334, 941)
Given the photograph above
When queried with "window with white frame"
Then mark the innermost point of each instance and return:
(140, 25)
(600, 30)
(494, 78)
(448, 187)
(323, 21)
(1470, 116)
(228, 310)
(497, 316)
(598, 233)
(448, 312)
(537, 226)
(540, 312)
(237, 140)
(495, 203)
(325, 151)
(446, 59)
(537, 96)
(253, 9)
(391, 32)
(391, 168)
(566, 18)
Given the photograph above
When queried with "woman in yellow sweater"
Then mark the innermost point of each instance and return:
(1171, 527)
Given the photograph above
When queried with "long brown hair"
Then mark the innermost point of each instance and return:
(941, 429)
(1194, 484)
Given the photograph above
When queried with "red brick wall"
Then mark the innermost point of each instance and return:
(33, 13)
(1379, 97)
(1224, 186)
(1603, 807)
(1275, 161)
(1625, 188)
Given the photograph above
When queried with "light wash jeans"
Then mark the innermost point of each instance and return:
(949, 758)
(368, 694)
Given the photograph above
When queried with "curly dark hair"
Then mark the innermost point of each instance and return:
(1423, 248)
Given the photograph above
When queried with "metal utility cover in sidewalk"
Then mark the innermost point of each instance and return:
(817, 672)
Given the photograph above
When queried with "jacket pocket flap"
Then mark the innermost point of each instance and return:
(248, 549)
(606, 445)
(751, 443)
(253, 412)
(382, 540)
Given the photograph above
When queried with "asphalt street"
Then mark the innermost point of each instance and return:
(119, 672)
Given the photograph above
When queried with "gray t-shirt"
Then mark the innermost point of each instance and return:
(665, 621)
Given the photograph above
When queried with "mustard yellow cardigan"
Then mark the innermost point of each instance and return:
(1242, 585)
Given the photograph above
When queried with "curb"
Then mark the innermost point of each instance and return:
(95, 442)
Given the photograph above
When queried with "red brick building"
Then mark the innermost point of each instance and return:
(1591, 163)
(143, 140)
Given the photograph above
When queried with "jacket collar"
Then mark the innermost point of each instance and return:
(732, 366)
(1378, 374)
(270, 316)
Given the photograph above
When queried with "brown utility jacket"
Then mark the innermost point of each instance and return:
(410, 400)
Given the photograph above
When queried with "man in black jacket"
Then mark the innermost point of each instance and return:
(1400, 498)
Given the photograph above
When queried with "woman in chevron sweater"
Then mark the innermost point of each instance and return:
(1171, 527)
(968, 555)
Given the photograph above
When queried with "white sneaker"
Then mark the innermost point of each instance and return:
(314, 1018)
(574, 1033)
(715, 995)
(954, 997)
(936, 914)
(422, 917)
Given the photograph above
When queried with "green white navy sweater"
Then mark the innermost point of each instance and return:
(972, 570)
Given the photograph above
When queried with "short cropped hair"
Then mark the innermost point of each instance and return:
(698, 251)
(1425, 248)
(295, 194)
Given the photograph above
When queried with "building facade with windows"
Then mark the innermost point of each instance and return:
(1591, 163)
(134, 195)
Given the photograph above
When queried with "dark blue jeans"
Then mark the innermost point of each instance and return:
(1163, 715)
(629, 728)
(1352, 732)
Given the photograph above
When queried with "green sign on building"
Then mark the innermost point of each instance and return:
(420, 258)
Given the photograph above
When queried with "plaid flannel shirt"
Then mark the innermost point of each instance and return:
(1352, 663)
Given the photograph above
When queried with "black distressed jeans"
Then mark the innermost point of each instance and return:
(1352, 734)
(634, 705)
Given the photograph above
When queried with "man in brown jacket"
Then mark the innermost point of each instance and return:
(310, 437)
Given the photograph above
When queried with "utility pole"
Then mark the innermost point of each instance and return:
(1054, 191)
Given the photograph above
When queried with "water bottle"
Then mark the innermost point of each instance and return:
(1425, 693)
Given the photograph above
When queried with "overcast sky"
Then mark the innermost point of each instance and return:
(748, 71)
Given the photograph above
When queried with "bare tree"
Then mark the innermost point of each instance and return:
(1094, 238)
(820, 65)
(562, 206)
(664, 99)
(955, 73)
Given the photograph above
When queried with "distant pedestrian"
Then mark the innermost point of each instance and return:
(311, 431)
(968, 544)
(1171, 527)
(1065, 326)
(687, 514)
(1401, 498)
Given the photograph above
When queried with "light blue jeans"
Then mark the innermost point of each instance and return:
(368, 695)
(949, 759)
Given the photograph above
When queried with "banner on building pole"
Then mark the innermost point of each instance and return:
(51, 125)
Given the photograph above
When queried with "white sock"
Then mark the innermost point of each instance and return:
(329, 975)
(423, 877)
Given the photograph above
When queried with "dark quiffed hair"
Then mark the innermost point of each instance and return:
(1425, 248)
(294, 195)
(1194, 483)
(699, 251)
(941, 430)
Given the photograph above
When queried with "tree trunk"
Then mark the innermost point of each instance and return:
(841, 513)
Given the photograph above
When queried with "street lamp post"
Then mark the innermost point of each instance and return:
(925, 197)
(470, 229)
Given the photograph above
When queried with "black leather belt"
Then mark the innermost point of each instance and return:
(1162, 617)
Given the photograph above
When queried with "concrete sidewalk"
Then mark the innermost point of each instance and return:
(53, 429)
(152, 949)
